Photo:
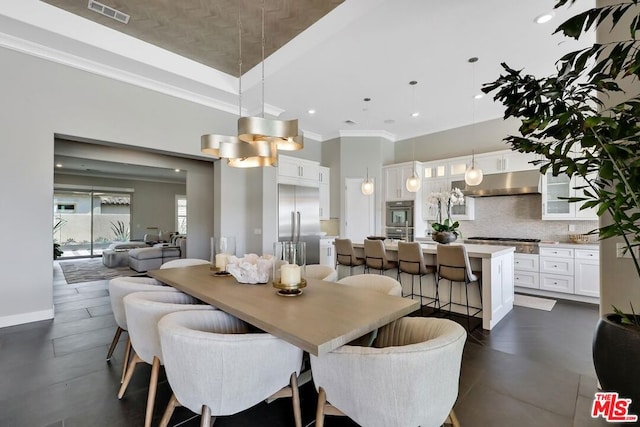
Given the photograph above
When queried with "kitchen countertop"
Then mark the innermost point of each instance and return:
(587, 246)
(474, 251)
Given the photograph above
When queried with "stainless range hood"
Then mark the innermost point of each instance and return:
(503, 184)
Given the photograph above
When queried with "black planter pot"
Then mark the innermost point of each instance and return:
(616, 357)
(444, 236)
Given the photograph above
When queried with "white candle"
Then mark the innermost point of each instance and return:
(290, 274)
(221, 261)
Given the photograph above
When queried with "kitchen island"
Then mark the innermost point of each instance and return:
(495, 263)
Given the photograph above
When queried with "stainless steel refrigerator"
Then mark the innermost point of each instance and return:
(299, 218)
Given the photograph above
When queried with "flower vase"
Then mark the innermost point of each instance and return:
(444, 237)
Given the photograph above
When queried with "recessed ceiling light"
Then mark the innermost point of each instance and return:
(311, 111)
(58, 165)
(545, 17)
(177, 170)
(478, 96)
(415, 114)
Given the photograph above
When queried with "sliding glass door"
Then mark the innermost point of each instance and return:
(87, 222)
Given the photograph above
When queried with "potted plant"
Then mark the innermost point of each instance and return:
(445, 231)
(565, 120)
(57, 252)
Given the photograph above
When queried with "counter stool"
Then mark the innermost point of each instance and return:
(375, 256)
(345, 255)
(411, 261)
(453, 265)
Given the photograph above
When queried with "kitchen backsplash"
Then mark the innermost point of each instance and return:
(519, 216)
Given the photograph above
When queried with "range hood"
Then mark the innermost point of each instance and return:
(503, 184)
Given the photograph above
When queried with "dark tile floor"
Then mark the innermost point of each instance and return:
(534, 369)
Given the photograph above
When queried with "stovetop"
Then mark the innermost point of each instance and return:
(523, 246)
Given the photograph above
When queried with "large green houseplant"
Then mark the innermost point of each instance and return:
(567, 119)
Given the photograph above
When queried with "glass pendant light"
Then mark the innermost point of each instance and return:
(473, 175)
(367, 185)
(413, 182)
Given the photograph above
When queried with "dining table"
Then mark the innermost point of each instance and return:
(325, 316)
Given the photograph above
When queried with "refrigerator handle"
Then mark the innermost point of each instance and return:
(293, 225)
(298, 219)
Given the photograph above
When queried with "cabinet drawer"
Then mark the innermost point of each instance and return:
(557, 252)
(556, 266)
(587, 254)
(526, 262)
(526, 280)
(552, 282)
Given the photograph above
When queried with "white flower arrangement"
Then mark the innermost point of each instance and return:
(445, 199)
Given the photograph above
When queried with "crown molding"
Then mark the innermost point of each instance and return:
(63, 58)
(368, 133)
(312, 135)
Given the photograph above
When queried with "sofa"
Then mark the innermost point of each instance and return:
(117, 254)
(151, 258)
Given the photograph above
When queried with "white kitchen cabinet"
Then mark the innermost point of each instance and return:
(555, 207)
(505, 161)
(292, 170)
(434, 170)
(395, 179)
(327, 252)
(587, 272)
(557, 269)
(526, 270)
(325, 193)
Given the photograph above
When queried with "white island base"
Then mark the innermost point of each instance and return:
(495, 264)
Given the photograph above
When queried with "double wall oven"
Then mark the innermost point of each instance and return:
(399, 220)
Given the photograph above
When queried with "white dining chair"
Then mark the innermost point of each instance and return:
(143, 311)
(184, 262)
(321, 272)
(120, 287)
(215, 367)
(377, 283)
(408, 378)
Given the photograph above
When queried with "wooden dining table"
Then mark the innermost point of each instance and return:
(324, 317)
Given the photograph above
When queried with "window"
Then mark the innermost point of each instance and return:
(181, 214)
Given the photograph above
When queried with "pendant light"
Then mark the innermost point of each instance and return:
(367, 185)
(413, 182)
(269, 134)
(473, 175)
(225, 146)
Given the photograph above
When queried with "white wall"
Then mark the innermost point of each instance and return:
(41, 99)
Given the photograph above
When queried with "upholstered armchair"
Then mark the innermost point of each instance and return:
(408, 378)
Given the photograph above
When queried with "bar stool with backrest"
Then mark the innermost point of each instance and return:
(453, 265)
(411, 261)
(375, 256)
(345, 255)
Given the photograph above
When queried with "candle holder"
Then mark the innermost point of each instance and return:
(222, 248)
(289, 268)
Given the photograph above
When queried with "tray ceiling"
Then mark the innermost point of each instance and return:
(206, 31)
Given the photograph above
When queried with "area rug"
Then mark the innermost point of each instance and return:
(89, 270)
(534, 302)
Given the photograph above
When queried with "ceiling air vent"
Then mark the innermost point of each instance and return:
(350, 122)
(109, 12)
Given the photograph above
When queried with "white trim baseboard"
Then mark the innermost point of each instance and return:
(19, 319)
